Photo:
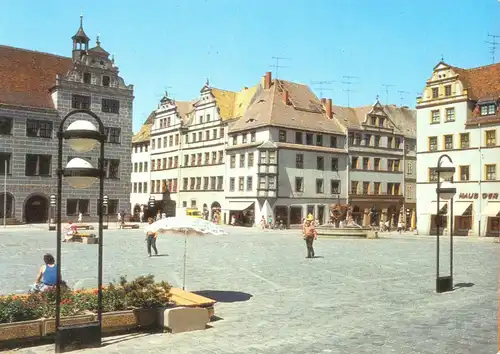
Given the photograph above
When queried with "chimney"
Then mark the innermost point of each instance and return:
(266, 81)
(285, 97)
(328, 108)
(323, 101)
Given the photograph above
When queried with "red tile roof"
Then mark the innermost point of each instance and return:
(482, 82)
(26, 76)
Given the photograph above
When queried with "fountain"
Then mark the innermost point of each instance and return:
(342, 224)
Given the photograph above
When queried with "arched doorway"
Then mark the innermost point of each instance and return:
(215, 212)
(36, 209)
(9, 213)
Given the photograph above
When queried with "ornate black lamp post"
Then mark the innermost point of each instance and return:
(444, 190)
(151, 204)
(82, 136)
(105, 200)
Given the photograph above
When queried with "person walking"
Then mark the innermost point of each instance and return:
(309, 235)
(151, 236)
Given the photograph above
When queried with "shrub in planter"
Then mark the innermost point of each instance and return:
(144, 293)
(14, 309)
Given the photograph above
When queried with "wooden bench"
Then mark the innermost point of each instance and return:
(129, 226)
(84, 226)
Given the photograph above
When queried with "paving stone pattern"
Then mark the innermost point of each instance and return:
(363, 296)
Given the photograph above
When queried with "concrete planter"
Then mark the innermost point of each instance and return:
(20, 331)
(49, 324)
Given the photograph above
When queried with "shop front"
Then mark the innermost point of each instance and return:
(242, 213)
(373, 209)
(492, 214)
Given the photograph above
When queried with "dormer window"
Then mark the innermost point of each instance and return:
(105, 81)
(435, 92)
(87, 77)
(447, 90)
(374, 120)
(381, 122)
(488, 109)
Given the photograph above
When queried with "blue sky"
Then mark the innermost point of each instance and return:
(180, 43)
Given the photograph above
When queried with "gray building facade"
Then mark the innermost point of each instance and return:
(36, 91)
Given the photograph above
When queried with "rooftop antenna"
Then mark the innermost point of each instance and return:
(493, 45)
(322, 86)
(402, 96)
(387, 92)
(277, 66)
(348, 80)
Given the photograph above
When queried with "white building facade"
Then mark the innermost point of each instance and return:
(458, 115)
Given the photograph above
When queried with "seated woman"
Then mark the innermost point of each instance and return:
(70, 231)
(46, 278)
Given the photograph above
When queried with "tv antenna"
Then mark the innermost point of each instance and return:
(277, 66)
(348, 81)
(402, 96)
(322, 86)
(493, 45)
(386, 86)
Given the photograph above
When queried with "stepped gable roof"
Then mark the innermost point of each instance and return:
(26, 76)
(303, 111)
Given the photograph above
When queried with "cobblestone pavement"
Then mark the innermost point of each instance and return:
(359, 296)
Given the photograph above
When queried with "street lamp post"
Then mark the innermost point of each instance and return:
(51, 216)
(105, 200)
(444, 190)
(82, 136)
(151, 204)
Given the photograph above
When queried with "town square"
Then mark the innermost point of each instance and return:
(358, 296)
(250, 177)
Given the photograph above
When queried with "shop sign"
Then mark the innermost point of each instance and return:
(489, 196)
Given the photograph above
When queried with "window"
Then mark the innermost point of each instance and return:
(435, 92)
(271, 182)
(299, 161)
(389, 142)
(448, 142)
(433, 177)
(491, 139)
(208, 117)
(447, 90)
(464, 173)
(87, 78)
(319, 140)
(134, 188)
(374, 120)
(192, 183)
(5, 126)
(242, 160)
(105, 80)
(396, 188)
(464, 141)
(433, 143)
(333, 141)
(354, 187)
(249, 183)
(193, 203)
(366, 163)
(381, 122)
(491, 172)
(198, 183)
(334, 187)
(397, 144)
(145, 189)
(488, 109)
(244, 138)
(112, 135)
(200, 136)
(200, 119)
(252, 136)
(376, 141)
(366, 187)
(320, 163)
(376, 163)
(319, 186)
(80, 102)
(309, 139)
(435, 117)
(376, 188)
(354, 162)
(185, 183)
(396, 165)
(272, 157)
(450, 115)
(262, 182)
(390, 165)
(5, 157)
(350, 139)
(77, 206)
(184, 204)
(263, 157)
(299, 184)
(282, 136)
(112, 168)
(212, 183)
(220, 182)
(368, 139)
(390, 188)
(231, 184)
(250, 159)
(136, 167)
(38, 128)
(38, 165)
(335, 164)
(232, 161)
(409, 168)
(235, 139)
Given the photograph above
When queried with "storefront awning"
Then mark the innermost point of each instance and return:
(442, 207)
(492, 209)
(459, 208)
(239, 206)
